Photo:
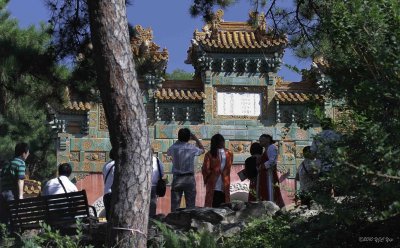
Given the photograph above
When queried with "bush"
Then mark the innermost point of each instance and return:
(263, 232)
(53, 238)
(171, 239)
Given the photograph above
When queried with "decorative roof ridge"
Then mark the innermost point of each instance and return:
(253, 34)
(297, 97)
(179, 95)
(71, 103)
(142, 45)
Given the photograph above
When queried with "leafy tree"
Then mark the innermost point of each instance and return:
(358, 41)
(29, 79)
(179, 74)
(355, 45)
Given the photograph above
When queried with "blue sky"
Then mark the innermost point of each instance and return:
(170, 20)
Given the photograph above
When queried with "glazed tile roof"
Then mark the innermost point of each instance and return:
(78, 106)
(297, 92)
(179, 95)
(220, 35)
(75, 105)
(143, 46)
(296, 97)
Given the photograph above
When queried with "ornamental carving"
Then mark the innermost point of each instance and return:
(102, 120)
(74, 156)
(156, 145)
(99, 206)
(284, 132)
(299, 151)
(237, 187)
(282, 168)
(241, 89)
(289, 150)
(95, 156)
(166, 159)
(239, 146)
(80, 176)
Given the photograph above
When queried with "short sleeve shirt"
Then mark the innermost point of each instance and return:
(13, 172)
(183, 154)
(54, 187)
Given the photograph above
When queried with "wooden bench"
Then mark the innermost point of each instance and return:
(59, 211)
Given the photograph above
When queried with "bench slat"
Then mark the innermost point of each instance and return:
(71, 194)
(78, 202)
(18, 221)
(30, 209)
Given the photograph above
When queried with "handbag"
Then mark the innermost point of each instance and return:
(242, 175)
(161, 187)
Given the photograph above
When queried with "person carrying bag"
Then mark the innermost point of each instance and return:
(158, 184)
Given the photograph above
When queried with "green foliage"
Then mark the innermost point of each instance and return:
(29, 80)
(263, 232)
(5, 239)
(359, 40)
(179, 74)
(52, 238)
(171, 239)
(205, 7)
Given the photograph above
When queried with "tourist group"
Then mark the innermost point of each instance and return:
(260, 168)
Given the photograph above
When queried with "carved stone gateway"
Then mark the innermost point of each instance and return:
(235, 91)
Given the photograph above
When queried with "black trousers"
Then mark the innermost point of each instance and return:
(218, 199)
(107, 204)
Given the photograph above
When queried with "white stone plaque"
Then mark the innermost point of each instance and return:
(239, 104)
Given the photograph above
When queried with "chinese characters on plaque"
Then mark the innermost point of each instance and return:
(239, 104)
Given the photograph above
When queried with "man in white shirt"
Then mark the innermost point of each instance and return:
(108, 177)
(61, 184)
(183, 154)
(158, 170)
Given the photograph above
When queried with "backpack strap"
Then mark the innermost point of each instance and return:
(159, 168)
(59, 180)
(108, 173)
(304, 168)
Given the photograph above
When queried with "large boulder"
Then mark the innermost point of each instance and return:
(214, 219)
(251, 210)
(182, 218)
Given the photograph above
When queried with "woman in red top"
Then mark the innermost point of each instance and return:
(216, 172)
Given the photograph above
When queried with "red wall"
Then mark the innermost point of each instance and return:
(93, 184)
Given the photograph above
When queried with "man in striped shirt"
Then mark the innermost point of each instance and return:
(12, 179)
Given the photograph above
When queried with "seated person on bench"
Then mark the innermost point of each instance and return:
(60, 184)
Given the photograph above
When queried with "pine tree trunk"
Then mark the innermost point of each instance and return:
(126, 117)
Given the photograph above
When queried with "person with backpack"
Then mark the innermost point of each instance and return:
(157, 175)
(108, 175)
(12, 179)
(60, 184)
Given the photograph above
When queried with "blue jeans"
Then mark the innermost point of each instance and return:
(6, 196)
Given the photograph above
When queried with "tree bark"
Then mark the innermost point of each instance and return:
(126, 116)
